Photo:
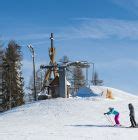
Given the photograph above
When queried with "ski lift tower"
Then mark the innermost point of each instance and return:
(62, 90)
(62, 74)
(59, 72)
(52, 67)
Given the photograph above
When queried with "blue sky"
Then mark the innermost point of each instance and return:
(101, 31)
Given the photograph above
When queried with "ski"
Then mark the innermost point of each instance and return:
(121, 126)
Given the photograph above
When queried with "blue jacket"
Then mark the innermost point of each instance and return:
(112, 111)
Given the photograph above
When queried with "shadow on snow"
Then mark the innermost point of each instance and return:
(91, 125)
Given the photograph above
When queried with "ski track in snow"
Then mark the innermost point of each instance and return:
(69, 119)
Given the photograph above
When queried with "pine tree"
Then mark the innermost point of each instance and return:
(1, 69)
(96, 80)
(78, 78)
(2, 97)
(12, 75)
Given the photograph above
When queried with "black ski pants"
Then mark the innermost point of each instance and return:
(132, 120)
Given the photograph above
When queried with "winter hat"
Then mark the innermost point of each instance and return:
(110, 108)
(130, 105)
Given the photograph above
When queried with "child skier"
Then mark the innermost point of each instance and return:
(132, 115)
(114, 112)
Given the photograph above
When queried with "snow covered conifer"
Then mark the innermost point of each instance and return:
(12, 75)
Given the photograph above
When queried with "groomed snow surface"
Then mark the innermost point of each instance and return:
(75, 118)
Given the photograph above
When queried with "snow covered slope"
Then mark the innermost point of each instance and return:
(117, 94)
(70, 119)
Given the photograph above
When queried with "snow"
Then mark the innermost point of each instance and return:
(78, 118)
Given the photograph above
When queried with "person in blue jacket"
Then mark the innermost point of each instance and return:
(114, 112)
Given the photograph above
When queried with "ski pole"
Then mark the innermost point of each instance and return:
(109, 119)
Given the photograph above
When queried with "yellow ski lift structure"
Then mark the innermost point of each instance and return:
(52, 64)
